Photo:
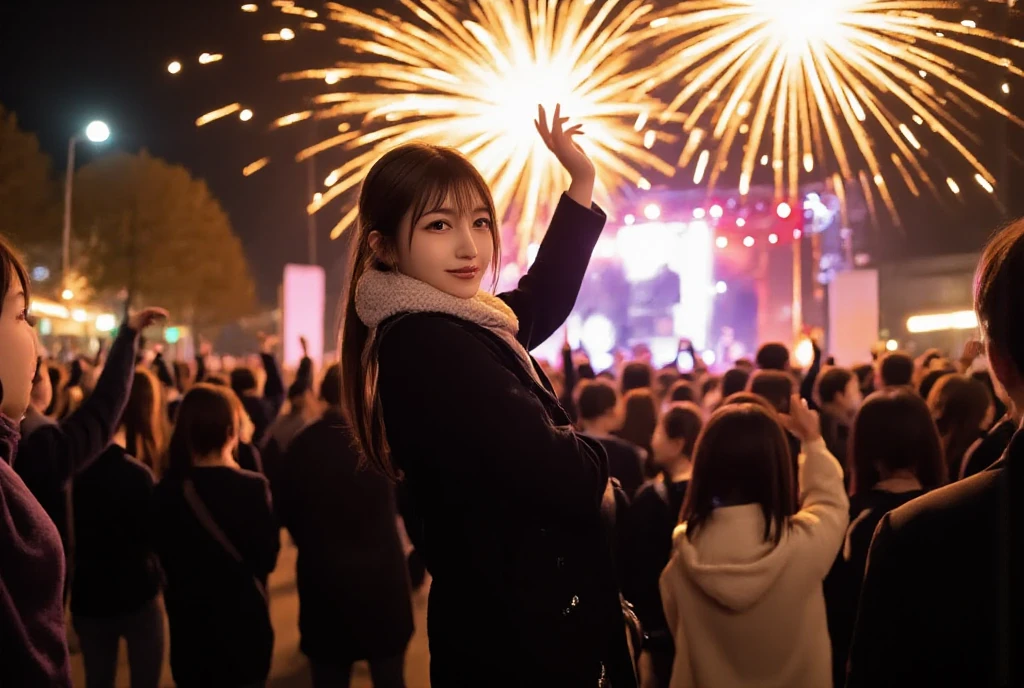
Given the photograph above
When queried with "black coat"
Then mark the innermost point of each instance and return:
(117, 570)
(941, 602)
(842, 585)
(988, 449)
(508, 496)
(53, 453)
(354, 597)
(220, 625)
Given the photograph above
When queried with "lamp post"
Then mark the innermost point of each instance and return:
(97, 132)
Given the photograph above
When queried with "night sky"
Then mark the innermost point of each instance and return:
(65, 63)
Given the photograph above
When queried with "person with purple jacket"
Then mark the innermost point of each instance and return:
(33, 646)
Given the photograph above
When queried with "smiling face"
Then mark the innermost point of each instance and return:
(449, 247)
(426, 212)
(17, 341)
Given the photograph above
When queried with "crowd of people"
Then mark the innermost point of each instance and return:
(855, 525)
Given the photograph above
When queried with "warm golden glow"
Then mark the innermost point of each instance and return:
(249, 7)
(254, 167)
(829, 76)
(218, 113)
(470, 75)
(51, 309)
(937, 322)
(292, 118)
(174, 67)
(245, 115)
(207, 58)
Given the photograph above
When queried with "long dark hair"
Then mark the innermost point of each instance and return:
(894, 429)
(207, 421)
(959, 405)
(640, 418)
(999, 296)
(11, 263)
(742, 457)
(143, 421)
(405, 184)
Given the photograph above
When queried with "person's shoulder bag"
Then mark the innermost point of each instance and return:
(205, 518)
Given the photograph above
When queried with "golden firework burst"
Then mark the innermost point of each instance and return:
(861, 85)
(470, 76)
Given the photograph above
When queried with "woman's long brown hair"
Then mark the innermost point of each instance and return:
(401, 187)
(742, 457)
(144, 421)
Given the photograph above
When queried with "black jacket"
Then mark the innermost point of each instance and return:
(842, 585)
(941, 603)
(988, 449)
(354, 597)
(116, 570)
(508, 496)
(54, 452)
(646, 547)
(220, 624)
(625, 463)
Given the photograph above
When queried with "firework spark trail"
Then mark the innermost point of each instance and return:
(799, 77)
(470, 75)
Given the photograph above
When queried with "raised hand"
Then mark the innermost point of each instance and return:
(267, 342)
(142, 319)
(559, 141)
(801, 421)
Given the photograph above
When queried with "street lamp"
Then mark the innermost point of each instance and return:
(96, 132)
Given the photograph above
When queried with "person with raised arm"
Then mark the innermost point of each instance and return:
(33, 644)
(440, 390)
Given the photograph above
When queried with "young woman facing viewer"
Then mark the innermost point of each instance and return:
(439, 387)
(742, 592)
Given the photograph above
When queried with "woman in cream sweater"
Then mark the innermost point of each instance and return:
(742, 592)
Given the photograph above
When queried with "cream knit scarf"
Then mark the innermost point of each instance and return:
(380, 295)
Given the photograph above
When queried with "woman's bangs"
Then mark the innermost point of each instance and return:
(13, 273)
(450, 185)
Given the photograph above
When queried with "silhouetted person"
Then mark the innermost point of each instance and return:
(941, 602)
(895, 369)
(773, 356)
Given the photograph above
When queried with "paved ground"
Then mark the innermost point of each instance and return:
(289, 668)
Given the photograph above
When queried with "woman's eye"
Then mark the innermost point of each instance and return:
(437, 225)
(31, 319)
(483, 223)
(23, 315)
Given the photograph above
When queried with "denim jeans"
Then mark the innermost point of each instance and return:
(143, 631)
